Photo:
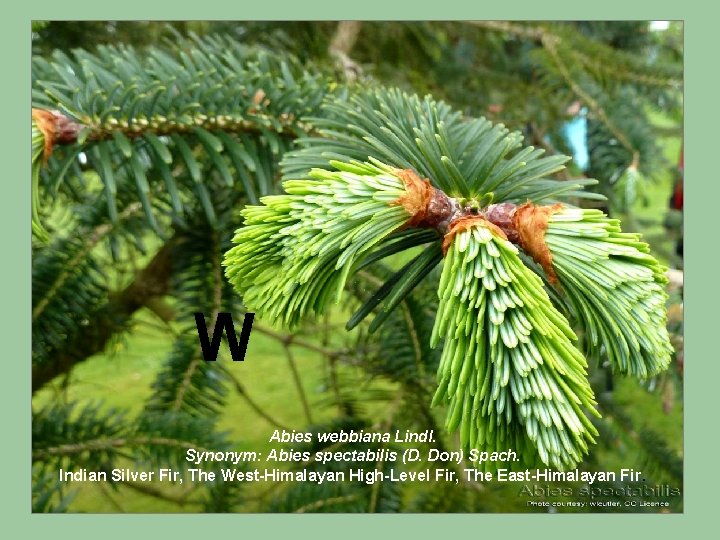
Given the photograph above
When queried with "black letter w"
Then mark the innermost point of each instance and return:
(224, 320)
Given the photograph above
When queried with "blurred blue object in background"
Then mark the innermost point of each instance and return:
(575, 133)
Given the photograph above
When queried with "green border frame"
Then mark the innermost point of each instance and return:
(15, 209)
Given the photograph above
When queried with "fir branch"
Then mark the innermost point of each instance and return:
(466, 158)
(509, 371)
(210, 106)
(613, 283)
(93, 238)
(551, 45)
(69, 131)
(294, 254)
(540, 34)
(93, 445)
(626, 75)
(111, 318)
(616, 288)
(196, 360)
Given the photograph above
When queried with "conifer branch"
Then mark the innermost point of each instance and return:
(550, 43)
(539, 34)
(94, 445)
(63, 130)
(93, 238)
(197, 360)
(111, 318)
(186, 382)
(627, 75)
